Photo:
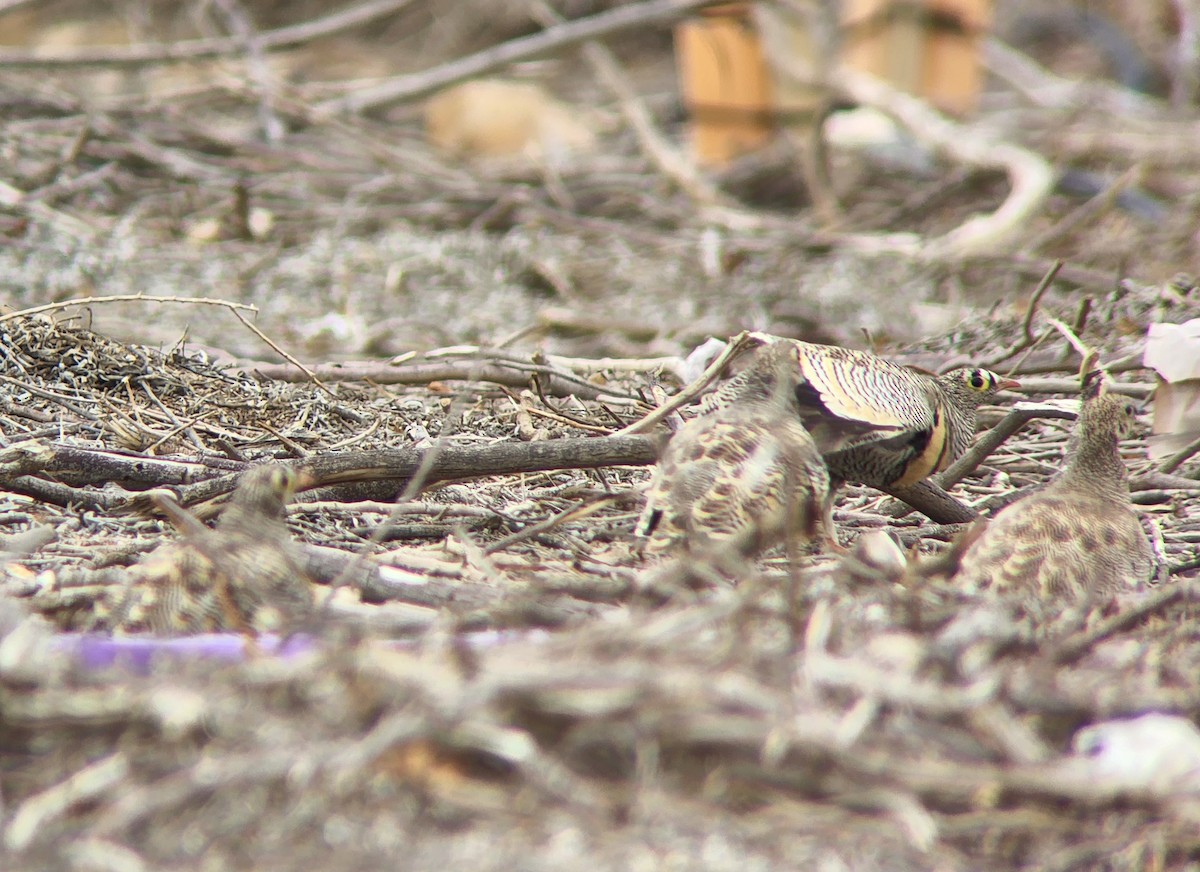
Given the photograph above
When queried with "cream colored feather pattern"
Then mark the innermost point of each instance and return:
(1078, 536)
(918, 424)
(859, 386)
(244, 576)
(874, 421)
(737, 480)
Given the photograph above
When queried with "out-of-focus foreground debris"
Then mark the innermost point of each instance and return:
(227, 238)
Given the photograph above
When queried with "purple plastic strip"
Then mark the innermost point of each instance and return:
(138, 653)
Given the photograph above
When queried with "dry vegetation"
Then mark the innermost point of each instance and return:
(488, 685)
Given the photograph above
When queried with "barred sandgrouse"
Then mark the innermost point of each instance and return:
(741, 477)
(245, 575)
(1078, 536)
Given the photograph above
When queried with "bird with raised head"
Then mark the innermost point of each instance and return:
(1078, 536)
(245, 575)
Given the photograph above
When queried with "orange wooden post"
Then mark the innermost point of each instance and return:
(725, 84)
(953, 74)
(736, 102)
(926, 47)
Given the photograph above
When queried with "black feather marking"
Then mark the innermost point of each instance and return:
(919, 440)
(810, 397)
(833, 432)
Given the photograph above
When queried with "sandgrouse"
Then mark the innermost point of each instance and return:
(1078, 536)
(739, 478)
(245, 575)
(876, 422)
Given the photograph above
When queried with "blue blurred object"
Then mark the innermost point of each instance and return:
(1135, 201)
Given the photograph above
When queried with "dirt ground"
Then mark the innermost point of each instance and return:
(487, 685)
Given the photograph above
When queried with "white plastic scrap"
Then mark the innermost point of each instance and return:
(1155, 752)
(1173, 351)
(700, 359)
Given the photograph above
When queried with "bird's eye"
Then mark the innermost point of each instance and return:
(1130, 410)
(977, 380)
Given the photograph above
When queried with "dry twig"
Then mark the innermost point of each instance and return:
(737, 345)
(354, 16)
(124, 298)
(1030, 176)
(1028, 340)
(670, 161)
(417, 85)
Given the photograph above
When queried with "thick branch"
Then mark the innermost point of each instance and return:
(392, 468)
(932, 501)
(461, 462)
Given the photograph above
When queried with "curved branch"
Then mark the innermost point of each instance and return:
(1030, 176)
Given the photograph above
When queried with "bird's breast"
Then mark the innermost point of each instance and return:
(936, 454)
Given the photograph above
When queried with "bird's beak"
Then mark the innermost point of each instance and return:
(1007, 384)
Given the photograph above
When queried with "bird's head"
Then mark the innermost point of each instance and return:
(1109, 415)
(265, 490)
(974, 385)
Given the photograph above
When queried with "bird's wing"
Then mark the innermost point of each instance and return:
(863, 390)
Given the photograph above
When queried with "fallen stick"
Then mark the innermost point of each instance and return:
(393, 468)
(556, 382)
(930, 500)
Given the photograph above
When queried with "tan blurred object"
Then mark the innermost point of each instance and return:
(47, 35)
(737, 102)
(492, 118)
(1173, 352)
(725, 83)
(930, 48)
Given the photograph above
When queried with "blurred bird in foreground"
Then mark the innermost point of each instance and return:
(245, 575)
(740, 478)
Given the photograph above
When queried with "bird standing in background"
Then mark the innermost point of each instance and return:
(245, 575)
(1078, 536)
(740, 478)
